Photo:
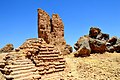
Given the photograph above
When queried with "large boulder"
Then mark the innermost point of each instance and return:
(7, 48)
(97, 46)
(82, 47)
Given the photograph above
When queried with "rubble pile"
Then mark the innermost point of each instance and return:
(96, 42)
(7, 48)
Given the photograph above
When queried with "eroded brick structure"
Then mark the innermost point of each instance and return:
(33, 60)
(52, 30)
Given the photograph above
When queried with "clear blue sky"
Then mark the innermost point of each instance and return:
(18, 18)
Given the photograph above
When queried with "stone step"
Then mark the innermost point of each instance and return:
(23, 71)
(62, 60)
(51, 66)
(60, 66)
(36, 44)
(34, 47)
(58, 70)
(50, 46)
(21, 75)
(58, 63)
(42, 72)
(20, 63)
(31, 77)
(46, 46)
(18, 66)
(46, 64)
(54, 59)
(47, 49)
(37, 61)
(23, 60)
(50, 55)
(51, 49)
(2, 64)
(23, 68)
(31, 50)
(43, 49)
(51, 58)
(40, 69)
(50, 71)
(47, 52)
(40, 64)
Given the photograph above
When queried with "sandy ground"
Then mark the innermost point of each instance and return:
(96, 67)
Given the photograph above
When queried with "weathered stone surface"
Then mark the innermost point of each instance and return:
(103, 36)
(19, 67)
(51, 30)
(7, 48)
(82, 47)
(44, 25)
(79, 42)
(43, 55)
(112, 41)
(97, 46)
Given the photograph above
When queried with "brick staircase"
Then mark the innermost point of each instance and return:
(19, 68)
(46, 57)
(48, 61)
(32, 61)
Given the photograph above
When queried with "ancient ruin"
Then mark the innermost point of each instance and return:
(32, 60)
(52, 31)
(37, 57)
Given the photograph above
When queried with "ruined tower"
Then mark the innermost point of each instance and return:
(51, 30)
